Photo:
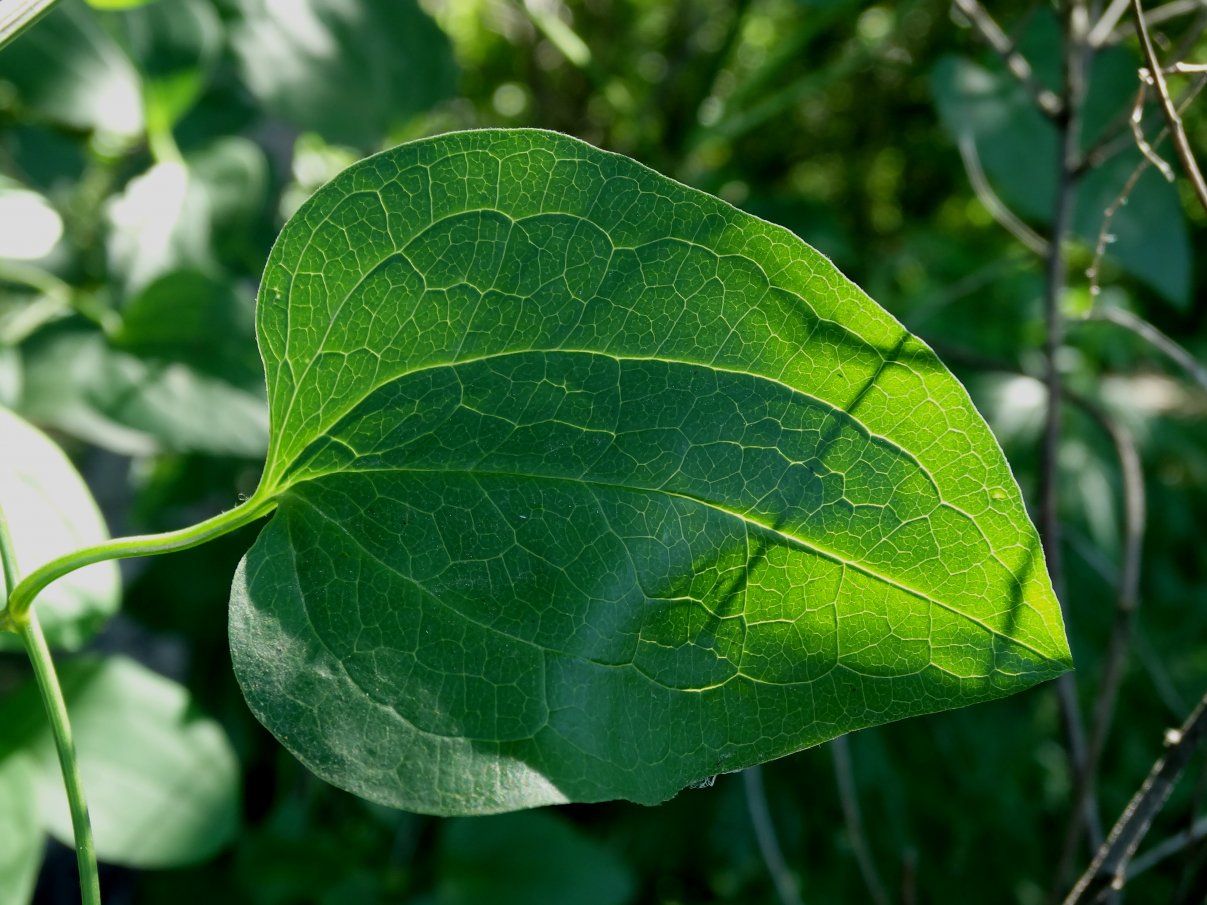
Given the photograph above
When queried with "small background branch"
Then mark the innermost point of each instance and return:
(1108, 871)
(768, 841)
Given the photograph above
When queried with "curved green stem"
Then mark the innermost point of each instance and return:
(22, 596)
(60, 728)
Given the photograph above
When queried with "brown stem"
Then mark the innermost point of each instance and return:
(1049, 103)
(1108, 870)
(1172, 118)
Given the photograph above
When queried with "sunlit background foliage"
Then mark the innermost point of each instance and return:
(150, 152)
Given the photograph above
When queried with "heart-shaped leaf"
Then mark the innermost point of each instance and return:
(590, 486)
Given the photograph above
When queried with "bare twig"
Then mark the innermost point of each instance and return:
(1172, 118)
(764, 833)
(989, 199)
(840, 750)
(1158, 15)
(1108, 871)
(1137, 123)
(1155, 338)
(1049, 103)
(1069, 127)
(1126, 601)
(1104, 233)
(1167, 848)
(1106, 24)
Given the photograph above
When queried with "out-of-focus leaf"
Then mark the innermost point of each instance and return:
(10, 376)
(1018, 150)
(517, 859)
(174, 43)
(68, 69)
(162, 779)
(589, 486)
(21, 837)
(161, 222)
(181, 214)
(78, 382)
(233, 172)
(50, 513)
(347, 69)
(30, 227)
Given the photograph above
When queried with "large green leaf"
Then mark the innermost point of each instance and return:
(50, 513)
(20, 830)
(591, 486)
(162, 779)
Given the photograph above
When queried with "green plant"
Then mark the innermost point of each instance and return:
(587, 485)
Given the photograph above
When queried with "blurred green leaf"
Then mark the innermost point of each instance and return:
(1017, 148)
(79, 382)
(174, 44)
(644, 490)
(350, 70)
(68, 70)
(30, 227)
(161, 222)
(10, 376)
(20, 831)
(50, 513)
(518, 859)
(162, 779)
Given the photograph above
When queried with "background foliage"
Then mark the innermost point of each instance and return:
(148, 156)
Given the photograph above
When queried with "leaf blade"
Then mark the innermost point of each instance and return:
(558, 426)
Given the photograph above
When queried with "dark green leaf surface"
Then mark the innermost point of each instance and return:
(518, 859)
(591, 486)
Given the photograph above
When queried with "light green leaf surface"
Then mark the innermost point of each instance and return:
(21, 839)
(162, 779)
(591, 486)
(50, 513)
(518, 859)
(350, 70)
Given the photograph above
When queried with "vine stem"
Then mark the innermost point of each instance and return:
(17, 613)
(60, 729)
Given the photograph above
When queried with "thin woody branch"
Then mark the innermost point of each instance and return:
(1156, 76)
(1109, 869)
(1048, 101)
